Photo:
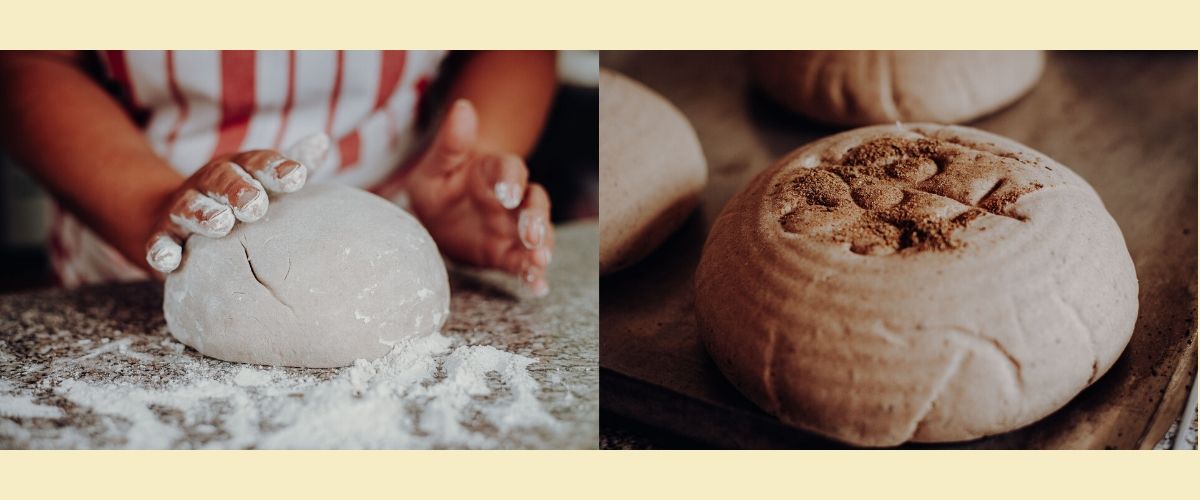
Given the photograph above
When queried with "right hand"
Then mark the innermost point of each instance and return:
(228, 189)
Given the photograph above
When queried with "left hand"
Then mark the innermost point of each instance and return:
(479, 206)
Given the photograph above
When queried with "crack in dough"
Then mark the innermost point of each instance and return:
(254, 272)
(1085, 332)
(947, 375)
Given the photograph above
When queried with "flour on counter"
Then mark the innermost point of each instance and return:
(429, 392)
(13, 403)
(102, 357)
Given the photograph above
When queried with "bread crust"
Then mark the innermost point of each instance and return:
(1001, 290)
(865, 87)
(652, 170)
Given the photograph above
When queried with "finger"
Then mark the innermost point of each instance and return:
(276, 172)
(454, 138)
(518, 261)
(534, 280)
(533, 219)
(500, 181)
(195, 213)
(163, 252)
(228, 183)
(542, 256)
(311, 152)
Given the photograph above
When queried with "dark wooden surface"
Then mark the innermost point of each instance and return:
(1126, 122)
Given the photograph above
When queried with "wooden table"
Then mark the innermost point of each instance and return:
(1126, 122)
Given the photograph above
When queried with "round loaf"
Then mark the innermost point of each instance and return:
(652, 170)
(331, 274)
(926, 283)
(873, 87)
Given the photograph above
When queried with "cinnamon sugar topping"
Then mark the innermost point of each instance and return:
(893, 194)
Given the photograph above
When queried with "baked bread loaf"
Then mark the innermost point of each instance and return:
(873, 87)
(652, 170)
(926, 283)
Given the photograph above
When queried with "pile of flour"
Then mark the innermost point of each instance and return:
(430, 392)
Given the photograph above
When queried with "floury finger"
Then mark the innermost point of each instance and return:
(312, 151)
(195, 213)
(164, 253)
(276, 172)
(228, 183)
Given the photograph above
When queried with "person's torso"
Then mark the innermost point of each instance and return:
(195, 105)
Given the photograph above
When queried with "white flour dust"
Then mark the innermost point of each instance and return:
(427, 393)
(16, 403)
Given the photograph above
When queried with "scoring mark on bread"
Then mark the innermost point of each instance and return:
(892, 194)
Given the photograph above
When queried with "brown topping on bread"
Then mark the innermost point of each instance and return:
(892, 194)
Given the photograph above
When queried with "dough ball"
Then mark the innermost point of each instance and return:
(927, 283)
(652, 170)
(331, 274)
(872, 87)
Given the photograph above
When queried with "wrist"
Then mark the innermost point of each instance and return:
(148, 204)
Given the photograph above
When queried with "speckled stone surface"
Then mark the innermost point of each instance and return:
(115, 336)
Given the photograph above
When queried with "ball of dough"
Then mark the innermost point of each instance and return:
(652, 170)
(927, 283)
(331, 274)
(872, 87)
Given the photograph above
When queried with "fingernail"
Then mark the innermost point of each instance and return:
(508, 194)
(206, 217)
(283, 175)
(532, 229)
(293, 180)
(220, 222)
(540, 289)
(284, 168)
(164, 255)
(253, 208)
(533, 281)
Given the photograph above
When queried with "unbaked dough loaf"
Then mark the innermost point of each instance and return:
(872, 87)
(926, 283)
(331, 274)
(651, 170)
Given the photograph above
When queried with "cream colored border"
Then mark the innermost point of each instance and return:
(604, 24)
(598, 474)
(609, 24)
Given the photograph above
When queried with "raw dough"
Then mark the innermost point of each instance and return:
(927, 283)
(867, 87)
(331, 274)
(651, 170)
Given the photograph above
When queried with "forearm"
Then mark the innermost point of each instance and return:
(512, 92)
(78, 141)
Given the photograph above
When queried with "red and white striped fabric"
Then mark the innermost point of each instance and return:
(200, 104)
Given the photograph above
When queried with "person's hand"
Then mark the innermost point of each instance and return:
(479, 206)
(228, 189)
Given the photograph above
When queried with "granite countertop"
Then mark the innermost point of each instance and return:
(96, 368)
